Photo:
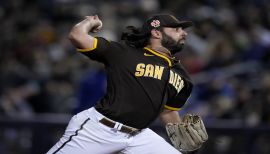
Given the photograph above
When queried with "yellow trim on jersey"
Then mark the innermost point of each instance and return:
(89, 49)
(159, 55)
(172, 108)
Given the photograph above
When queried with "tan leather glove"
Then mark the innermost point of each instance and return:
(189, 135)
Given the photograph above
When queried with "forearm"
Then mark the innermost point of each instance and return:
(82, 27)
(79, 34)
(169, 116)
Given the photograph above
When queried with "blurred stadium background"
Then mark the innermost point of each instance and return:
(43, 81)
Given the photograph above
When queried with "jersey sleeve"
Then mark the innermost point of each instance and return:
(181, 98)
(103, 50)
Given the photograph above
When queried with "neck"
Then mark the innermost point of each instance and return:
(162, 50)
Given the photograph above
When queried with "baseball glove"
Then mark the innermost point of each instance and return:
(189, 135)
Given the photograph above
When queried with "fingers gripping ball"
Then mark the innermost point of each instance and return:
(189, 135)
(96, 23)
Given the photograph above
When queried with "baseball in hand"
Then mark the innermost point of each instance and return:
(97, 24)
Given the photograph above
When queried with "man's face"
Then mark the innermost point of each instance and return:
(173, 39)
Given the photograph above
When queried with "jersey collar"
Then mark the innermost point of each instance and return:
(159, 55)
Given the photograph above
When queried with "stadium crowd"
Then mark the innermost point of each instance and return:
(227, 53)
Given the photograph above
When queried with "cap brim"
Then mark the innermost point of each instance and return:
(183, 24)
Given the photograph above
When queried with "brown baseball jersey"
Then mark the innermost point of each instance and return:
(141, 82)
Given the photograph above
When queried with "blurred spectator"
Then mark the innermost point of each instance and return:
(91, 88)
(34, 44)
(228, 55)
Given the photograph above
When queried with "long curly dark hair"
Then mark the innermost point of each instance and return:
(135, 37)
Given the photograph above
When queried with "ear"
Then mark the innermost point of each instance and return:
(156, 34)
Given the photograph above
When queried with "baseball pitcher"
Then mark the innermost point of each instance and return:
(145, 81)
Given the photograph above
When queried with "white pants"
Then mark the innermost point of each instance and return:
(86, 135)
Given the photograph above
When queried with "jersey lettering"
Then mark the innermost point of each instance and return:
(149, 70)
(176, 81)
(140, 69)
(158, 72)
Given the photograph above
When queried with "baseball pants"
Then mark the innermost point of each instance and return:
(86, 135)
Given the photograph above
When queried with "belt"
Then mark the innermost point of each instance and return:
(124, 128)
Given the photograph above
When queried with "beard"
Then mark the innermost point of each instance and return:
(172, 45)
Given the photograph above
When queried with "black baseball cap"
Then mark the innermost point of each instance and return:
(164, 20)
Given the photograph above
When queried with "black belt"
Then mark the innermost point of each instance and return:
(124, 128)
